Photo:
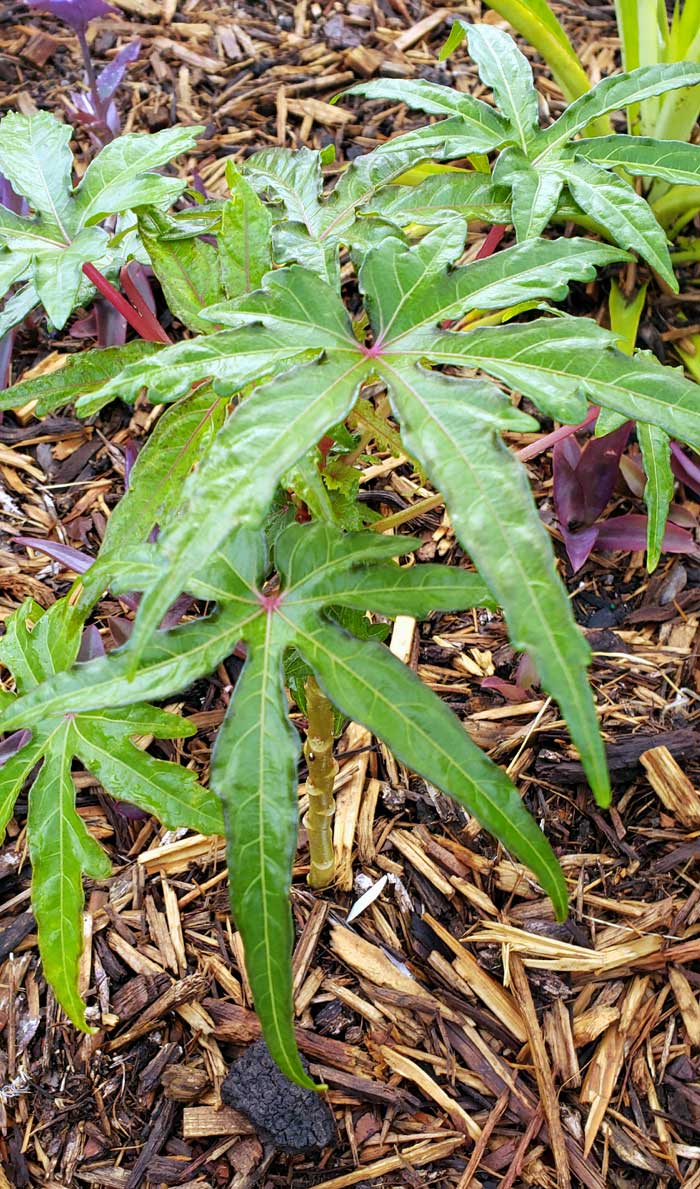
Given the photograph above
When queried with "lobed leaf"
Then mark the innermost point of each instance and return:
(232, 360)
(624, 215)
(39, 648)
(180, 439)
(556, 361)
(188, 272)
(58, 275)
(408, 293)
(61, 850)
(243, 242)
(471, 196)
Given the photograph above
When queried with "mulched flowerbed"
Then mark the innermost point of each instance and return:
(466, 1038)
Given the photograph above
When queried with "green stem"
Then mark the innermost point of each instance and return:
(318, 750)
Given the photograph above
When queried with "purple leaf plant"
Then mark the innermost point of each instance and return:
(583, 483)
(95, 109)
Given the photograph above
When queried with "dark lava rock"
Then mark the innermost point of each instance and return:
(287, 1115)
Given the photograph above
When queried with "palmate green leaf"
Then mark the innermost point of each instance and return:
(658, 490)
(81, 374)
(314, 227)
(625, 215)
(52, 244)
(671, 160)
(409, 293)
(536, 164)
(35, 158)
(277, 425)
(254, 763)
(39, 648)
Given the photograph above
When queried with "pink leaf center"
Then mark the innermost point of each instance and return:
(271, 602)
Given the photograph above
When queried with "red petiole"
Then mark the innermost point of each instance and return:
(141, 319)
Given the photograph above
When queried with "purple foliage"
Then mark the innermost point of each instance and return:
(91, 645)
(507, 689)
(12, 745)
(96, 106)
(583, 483)
(73, 559)
(8, 198)
(76, 13)
(684, 468)
(198, 184)
(630, 533)
(598, 468)
(110, 78)
(7, 343)
(103, 323)
(131, 453)
(120, 629)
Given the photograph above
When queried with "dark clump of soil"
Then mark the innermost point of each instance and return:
(289, 1116)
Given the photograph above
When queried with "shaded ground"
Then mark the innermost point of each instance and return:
(403, 1013)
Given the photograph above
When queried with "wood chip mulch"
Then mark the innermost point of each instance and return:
(466, 1038)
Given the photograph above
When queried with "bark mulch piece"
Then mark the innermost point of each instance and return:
(466, 1038)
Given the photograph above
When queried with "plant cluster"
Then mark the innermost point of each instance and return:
(241, 514)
